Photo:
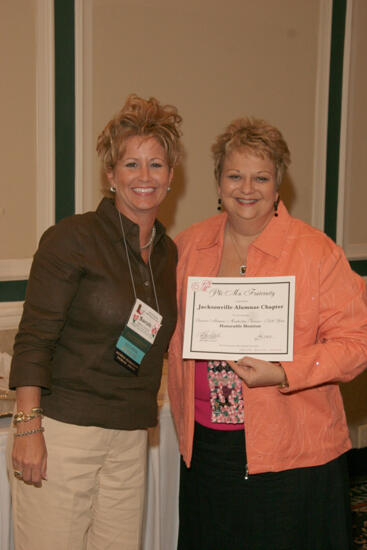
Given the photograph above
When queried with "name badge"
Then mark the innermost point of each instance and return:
(137, 336)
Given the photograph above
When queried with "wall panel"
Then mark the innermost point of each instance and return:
(355, 193)
(214, 61)
(18, 224)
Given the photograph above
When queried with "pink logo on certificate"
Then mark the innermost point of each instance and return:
(201, 285)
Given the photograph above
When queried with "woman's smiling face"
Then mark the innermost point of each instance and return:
(248, 187)
(141, 177)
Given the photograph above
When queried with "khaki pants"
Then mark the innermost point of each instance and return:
(94, 496)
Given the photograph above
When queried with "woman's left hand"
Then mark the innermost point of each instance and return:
(256, 373)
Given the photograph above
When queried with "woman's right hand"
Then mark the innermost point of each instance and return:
(30, 457)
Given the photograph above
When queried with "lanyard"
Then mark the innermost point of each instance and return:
(129, 264)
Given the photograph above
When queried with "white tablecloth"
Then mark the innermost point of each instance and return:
(161, 519)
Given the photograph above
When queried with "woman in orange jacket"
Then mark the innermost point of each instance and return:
(264, 443)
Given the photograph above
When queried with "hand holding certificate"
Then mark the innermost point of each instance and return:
(227, 318)
(259, 373)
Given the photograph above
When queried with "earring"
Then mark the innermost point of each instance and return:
(275, 204)
(219, 207)
(168, 189)
(113, 189)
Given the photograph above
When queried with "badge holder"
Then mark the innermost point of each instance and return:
(137, 336)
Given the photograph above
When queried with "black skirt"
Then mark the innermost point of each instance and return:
(223, 509)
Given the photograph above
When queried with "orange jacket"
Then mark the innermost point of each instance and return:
(304, 425)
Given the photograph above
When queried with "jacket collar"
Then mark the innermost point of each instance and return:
(270, 241)
(214, 233)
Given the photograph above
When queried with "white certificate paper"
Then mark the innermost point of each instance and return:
(230, 317)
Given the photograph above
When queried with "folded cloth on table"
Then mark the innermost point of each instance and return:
(5, 360)
(7, 397)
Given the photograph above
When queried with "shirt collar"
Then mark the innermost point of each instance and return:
(214, 234)
(108, 212)
(271, 240)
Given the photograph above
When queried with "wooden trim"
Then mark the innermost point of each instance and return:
(15, 270)
(356, 251)
(10, 314)
(64, 108)
(12, 291)
(84, 138)
(344, 124)
(45, 134)
(321, 114)
(79, 107)
(334, 116)
(360, 266)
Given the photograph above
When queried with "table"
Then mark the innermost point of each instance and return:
(161, 516)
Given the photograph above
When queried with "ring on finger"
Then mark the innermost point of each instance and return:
(18, 474)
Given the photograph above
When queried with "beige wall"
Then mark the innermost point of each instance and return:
(215, 61)
(18, 128)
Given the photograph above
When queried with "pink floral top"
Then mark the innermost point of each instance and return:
(218, 396)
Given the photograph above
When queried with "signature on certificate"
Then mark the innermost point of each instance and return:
(209, 336)
(262, 336)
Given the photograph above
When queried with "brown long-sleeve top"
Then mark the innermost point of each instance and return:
(79, 297)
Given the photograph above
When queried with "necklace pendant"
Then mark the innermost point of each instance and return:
(243, 268)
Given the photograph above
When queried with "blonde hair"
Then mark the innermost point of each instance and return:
(256, 136)
(141, 117)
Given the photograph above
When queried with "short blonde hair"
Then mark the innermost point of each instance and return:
(141, 117)
(256, 136)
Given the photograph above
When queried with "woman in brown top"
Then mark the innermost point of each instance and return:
(86, 369)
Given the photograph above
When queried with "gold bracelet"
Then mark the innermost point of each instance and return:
(35, 431)
(284, 384)
(22, 417)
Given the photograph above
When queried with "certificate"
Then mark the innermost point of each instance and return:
(230, 317)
